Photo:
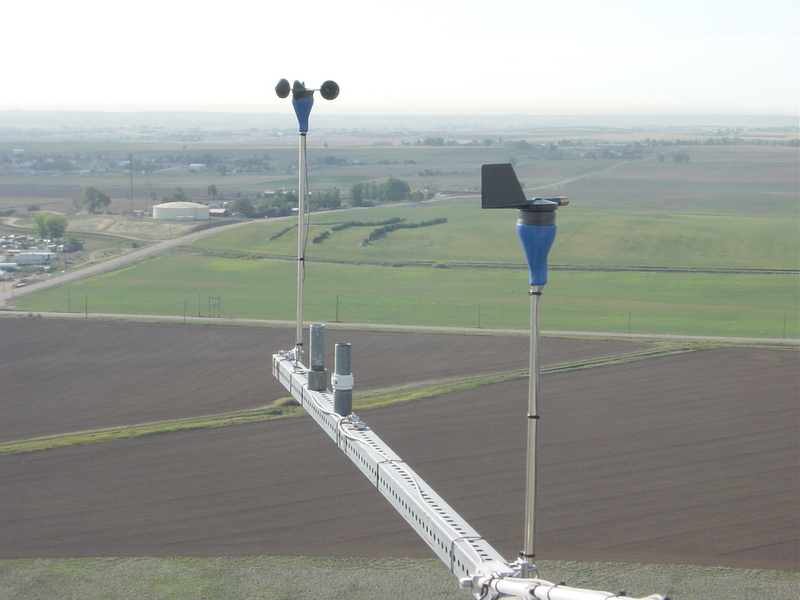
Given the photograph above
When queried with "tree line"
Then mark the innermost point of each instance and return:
(347, 224)
(281, 204)
(381, 232)
(392, 190)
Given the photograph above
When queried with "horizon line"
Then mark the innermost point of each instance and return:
(255, 111)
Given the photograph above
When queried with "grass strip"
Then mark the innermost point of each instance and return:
(281, 408)
(288, 407)
(429, 389)
(321, 578)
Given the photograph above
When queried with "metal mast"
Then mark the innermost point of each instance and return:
(302, 102)
(302, 197)
(536, 228)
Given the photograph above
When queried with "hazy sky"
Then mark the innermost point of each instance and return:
(409, 56)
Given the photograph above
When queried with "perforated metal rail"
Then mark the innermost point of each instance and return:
(452, 539)
(479, 567)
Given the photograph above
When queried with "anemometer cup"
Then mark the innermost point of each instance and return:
(283, 88)
(329, 90)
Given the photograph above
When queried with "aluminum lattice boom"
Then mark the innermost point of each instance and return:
(479, 567)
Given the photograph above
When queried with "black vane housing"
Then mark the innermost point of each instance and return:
(500, 188)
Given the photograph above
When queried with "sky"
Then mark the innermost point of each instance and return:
(406, 57)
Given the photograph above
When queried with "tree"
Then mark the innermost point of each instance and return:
(177, 196)
(373, 191)
(40, 221)
(212, 191)
(50, 226)
(94, 198)
(244, 207)
(327, 200)
(279, 205)
(357, 193)
(396, 189)
(681, 157)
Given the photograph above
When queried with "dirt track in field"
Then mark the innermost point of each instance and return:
(689, 458)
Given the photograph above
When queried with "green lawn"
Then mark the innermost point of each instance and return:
(657, 303)
(585, 238)
(284, 578)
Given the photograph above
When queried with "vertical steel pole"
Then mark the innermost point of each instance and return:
(301, 209)
(529, 546)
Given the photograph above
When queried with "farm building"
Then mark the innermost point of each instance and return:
(181, 211)
(219, 212)
(34, 258)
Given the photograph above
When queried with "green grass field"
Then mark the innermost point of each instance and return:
(296, 578)
(734, 305)
(729, 209)
(585, 238)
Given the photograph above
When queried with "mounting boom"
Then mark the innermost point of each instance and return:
(479, 567)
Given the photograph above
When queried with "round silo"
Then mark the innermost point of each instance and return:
(181, 211)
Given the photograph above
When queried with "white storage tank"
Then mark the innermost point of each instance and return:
(181, 211)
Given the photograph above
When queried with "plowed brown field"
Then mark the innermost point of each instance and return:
(689, 458)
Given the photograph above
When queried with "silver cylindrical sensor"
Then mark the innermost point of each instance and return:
(317, 374)
(342, 381)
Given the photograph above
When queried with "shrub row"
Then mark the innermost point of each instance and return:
(386, 229)
(281, 232)
(348, 224)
